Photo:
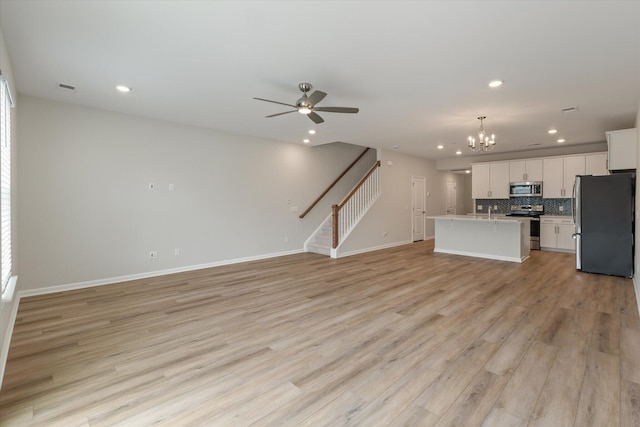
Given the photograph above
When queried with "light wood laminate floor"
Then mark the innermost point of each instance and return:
(397, 337)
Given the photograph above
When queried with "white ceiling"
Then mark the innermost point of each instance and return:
(418, 71)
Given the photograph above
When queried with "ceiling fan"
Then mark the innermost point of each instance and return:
(307, 104)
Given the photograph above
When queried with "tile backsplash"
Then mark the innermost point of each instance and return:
(551, 206)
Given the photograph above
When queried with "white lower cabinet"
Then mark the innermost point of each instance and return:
(557, 234)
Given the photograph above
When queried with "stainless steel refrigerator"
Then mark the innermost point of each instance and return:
(604, 216)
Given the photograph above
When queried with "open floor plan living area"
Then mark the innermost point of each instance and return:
(318, 213)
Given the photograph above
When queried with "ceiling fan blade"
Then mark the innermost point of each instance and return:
(315, 118)
(316, 97)
(279, 114)
(275, 102)
(337, 109)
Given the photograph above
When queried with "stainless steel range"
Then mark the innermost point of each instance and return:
(533, 212)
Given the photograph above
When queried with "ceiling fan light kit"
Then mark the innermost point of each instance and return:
(307, 104)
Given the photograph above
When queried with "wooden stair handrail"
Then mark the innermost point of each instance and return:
(360, 184)
(324, 193)
(335, 209)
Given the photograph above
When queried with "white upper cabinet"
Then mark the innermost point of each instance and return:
(553, 179)
(573, 165)
(622, 149)
(596, 164)
(559, 174)
(499, 179)
(525, 170)
(490, 181)
(480, 181)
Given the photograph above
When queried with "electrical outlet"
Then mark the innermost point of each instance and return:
(495, 207)
(176, 251)
(479, 207)
(153, 254)
(561, 208)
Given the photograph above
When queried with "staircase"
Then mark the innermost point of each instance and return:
(345, 216)
(320, 241)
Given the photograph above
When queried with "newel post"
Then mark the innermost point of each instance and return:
(334, 224)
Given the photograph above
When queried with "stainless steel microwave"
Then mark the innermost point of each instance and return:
(525, 189)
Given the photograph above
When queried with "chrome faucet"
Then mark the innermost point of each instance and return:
(489, 212)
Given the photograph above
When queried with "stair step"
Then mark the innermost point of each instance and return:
(319, 249)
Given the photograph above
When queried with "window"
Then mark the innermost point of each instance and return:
(5, 187)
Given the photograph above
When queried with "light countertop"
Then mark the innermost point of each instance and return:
(497, 217)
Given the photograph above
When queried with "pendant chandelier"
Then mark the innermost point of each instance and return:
(482, 142)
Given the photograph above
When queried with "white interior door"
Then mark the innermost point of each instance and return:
(451, 198)
(419, 207)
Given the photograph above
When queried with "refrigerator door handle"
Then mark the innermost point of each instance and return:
(573, 198)
(577, 219)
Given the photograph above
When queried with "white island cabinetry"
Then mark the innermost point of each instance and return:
(505, 239)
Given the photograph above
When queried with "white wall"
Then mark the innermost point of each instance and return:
(391, 214)
(9, 308)
(86, 213)
(636, 279)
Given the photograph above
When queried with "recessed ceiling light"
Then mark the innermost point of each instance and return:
(467, 171)
(123, 88)
(306, 141)
(395, 147)
(312, 132)
(458, 152)
(496, 83)
(440, 147)
(561, 140)
(552, 131)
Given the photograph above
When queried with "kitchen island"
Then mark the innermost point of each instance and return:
(501, 238)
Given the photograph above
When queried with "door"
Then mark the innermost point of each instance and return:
(451, 198)
(418, 207)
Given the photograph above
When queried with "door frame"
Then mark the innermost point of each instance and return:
(455, 198)
(422, 179)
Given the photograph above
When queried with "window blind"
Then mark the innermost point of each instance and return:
(5, 182)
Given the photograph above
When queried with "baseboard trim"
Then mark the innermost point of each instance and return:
(636, 287)
(4, 355)
(375, 248)
(127, 278)
(478, 255)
